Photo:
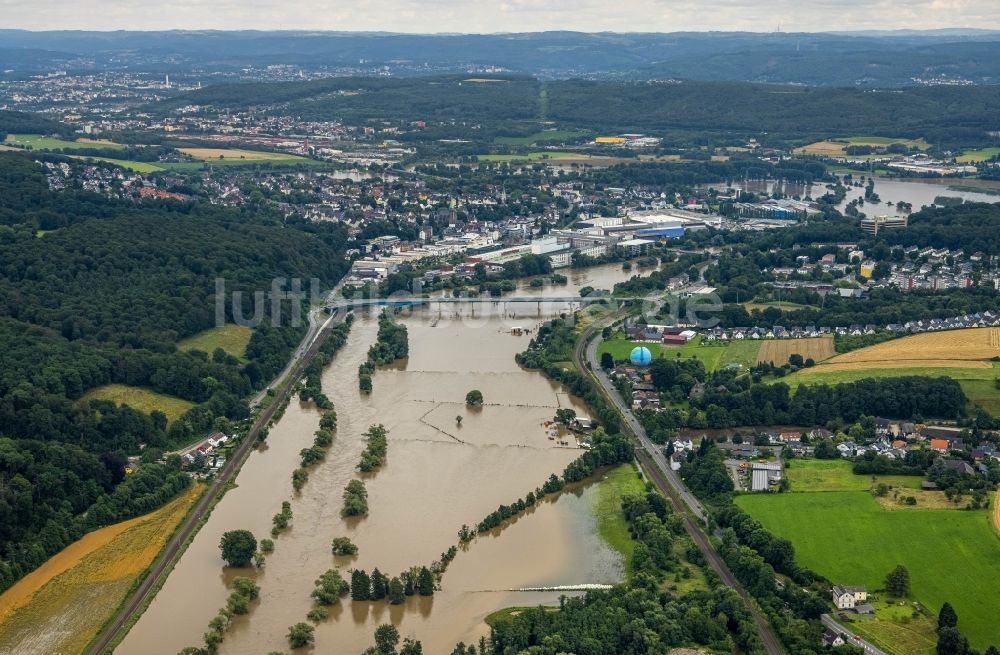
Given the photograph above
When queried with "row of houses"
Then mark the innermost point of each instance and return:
(979, 319)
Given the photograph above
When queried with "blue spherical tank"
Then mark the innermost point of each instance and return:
(640, 356)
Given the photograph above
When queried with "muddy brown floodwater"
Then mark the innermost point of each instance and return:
(437, 476)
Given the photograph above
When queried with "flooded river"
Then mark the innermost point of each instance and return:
(438, 475)
(916, 192)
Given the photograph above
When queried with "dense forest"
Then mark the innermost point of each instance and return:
(945, 115)
(867, 60)
(18, 122)
(104, 298)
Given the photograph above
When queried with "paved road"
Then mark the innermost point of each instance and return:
(666, 479)
(175, 547)
(852, 638)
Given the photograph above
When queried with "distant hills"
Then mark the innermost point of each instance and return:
(865, 59)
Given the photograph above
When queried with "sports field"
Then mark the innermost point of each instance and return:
(952, 555)
(963, 355)
(779, 350)
(39, 142)
(743, 353)
(230, 337)
(140, 399)
(222, 154)
(58, 608)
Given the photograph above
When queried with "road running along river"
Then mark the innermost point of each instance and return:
(437, 476)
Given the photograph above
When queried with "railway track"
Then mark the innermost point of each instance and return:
(667, 481)
(176, 546)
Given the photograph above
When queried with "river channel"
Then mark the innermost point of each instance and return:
(438, 476)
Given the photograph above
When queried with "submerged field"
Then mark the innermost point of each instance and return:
(140, 399)
(963, 355)
(58, 608)
(230, 337)
(952, 555)
(615, 485)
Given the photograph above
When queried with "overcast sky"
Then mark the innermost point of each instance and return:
(501, 15)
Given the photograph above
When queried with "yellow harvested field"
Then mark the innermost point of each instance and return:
(234, 153)
(836, 365)
(779, 350)
(824, 148)
(968, 344)
(58, 608)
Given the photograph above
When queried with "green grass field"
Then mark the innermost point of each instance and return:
(713, 357)
(530, 156)
(952, 556)
(972, 156)
(743, 353)
(617, 483)
(38, 142)
(140, 399)
(885, 141)
(977, 383)
(290, 162)
(230, 337)
(896, 630)
(137, 166)
(814, 475)
(540, 137)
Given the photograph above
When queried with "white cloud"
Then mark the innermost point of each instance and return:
(501, 15)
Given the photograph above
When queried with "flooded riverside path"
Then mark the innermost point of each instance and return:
(438, 475)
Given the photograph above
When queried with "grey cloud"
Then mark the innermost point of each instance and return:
(502, 15)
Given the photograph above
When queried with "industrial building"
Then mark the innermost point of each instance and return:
(764, 475)
(872, 226)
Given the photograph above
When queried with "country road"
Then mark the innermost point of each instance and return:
(666, 479)
(175, 547)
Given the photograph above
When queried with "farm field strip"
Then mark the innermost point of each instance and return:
(779, 350)
(137, 166)
(971, 343)
(836, 365)
(39, 142)
(53, 610)
(207, 154)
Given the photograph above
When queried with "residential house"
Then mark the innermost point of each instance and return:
(848, 597)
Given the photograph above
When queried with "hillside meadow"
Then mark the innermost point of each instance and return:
(140, 399)
(952, 555)
(232, 338)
